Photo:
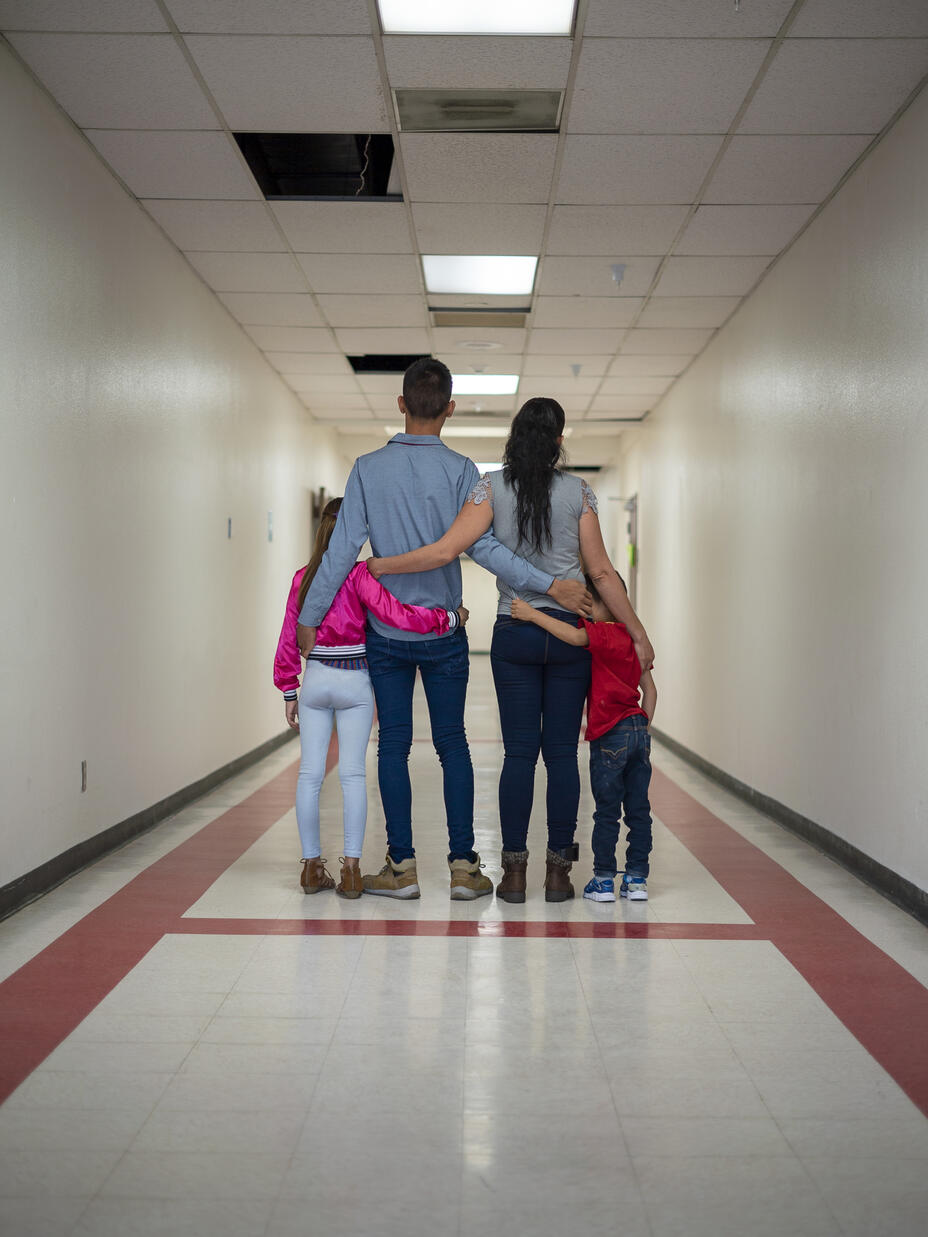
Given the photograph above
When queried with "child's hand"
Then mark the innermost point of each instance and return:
(374, 567)
(463, 614)
(522, 611)
(291, 712)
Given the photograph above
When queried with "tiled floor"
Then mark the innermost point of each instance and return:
(744, 1054)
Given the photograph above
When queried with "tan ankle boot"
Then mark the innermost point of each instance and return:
(314, 877)
(557, 883)
(350, 885)
(512, 887)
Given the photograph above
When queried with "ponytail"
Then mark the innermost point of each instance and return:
(531, 460)
(323, 537)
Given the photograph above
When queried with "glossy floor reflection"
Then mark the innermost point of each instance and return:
(255, 1076)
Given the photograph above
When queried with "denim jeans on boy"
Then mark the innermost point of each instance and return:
(444, 665)
(620, 774)
(541, 686)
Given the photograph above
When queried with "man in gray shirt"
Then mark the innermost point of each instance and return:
(401, 497)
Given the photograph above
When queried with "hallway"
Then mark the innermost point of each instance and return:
(742, 1054)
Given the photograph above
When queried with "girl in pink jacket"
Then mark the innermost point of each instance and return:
(336, 684)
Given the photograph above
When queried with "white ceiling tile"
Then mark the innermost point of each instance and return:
(836, 85)
(389, 385)
(358, 341)
(272, 308)
(688, 311)
(362, 273)
(634, 169)
(447, 339)
(176, 164)
(485, 403)
(325, 384)
(783, 169)
(374, 310)
(605, 406)
(557, 385)
(478, 167)
(480, 229)
(593, 276)
(574, 343)
(742, 229)
(585, 311)
(614, 229)
(223, 226)
(138, 16)
(118, 81)
(642, 19)
(715, 276)
(248, 272)
(659, 366)
(631, 385)
(271, 16)
(483, 362)
(572, 404)
(662, 85)
(345, 227)
(384, 404)
(309, 362)
(330, 411)
(822, 19)
(664, 342)
(292, 338)
(560, 366)
(479, 62)
(293, 84)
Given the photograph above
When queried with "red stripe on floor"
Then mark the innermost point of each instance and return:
(471, 927)
(878, 1000)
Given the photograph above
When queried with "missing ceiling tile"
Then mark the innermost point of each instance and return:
(321, 166)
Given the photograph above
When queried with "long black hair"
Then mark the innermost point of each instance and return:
(532, 457)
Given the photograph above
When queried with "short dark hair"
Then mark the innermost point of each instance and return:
(427, 388)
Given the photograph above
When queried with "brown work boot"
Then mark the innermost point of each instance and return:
(557, 872)
(350, 885)
(512, 887)
(394, 880)
(314, 877)
(467, 881)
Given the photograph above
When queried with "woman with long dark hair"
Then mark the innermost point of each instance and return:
(548, 517)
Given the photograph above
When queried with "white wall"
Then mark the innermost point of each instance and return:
(784, 507)
(135, 418)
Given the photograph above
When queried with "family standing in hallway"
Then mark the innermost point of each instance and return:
(536, 528)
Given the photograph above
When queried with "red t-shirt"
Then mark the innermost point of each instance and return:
(614, 692)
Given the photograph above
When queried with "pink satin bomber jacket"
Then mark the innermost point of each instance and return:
(341, 633)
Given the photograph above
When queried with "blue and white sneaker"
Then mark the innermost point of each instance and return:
(635, 888)
(600, 889)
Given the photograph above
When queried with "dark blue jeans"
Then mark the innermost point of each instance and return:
(541, 686)
(620, 774)
(444, 665)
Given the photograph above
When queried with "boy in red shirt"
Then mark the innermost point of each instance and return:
(620, 707)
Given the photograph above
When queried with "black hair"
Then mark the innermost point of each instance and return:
(531, 460)
(427, 389)
(321, 544)
(591, 588)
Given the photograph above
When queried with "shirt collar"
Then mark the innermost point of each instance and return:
(418, 440)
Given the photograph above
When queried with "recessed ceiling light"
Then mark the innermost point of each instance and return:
(484, 384)
(477, 16)
(496, 274)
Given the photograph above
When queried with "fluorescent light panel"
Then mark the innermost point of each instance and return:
(484, 384)
(488, 274)
(477, 16)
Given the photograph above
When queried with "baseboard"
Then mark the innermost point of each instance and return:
(40, 880)
(890, 884)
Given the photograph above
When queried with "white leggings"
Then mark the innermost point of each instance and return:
(347, 695)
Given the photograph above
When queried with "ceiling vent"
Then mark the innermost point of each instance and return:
(382, 363)
(479, 317)
(321, 166)
(478, 111)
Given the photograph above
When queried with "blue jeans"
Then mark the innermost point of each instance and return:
(541, 686)
(620, 774)
(444, 665)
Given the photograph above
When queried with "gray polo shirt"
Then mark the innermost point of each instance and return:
(401, 497)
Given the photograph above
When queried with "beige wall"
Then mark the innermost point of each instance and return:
(135, 418)
(784, 507)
